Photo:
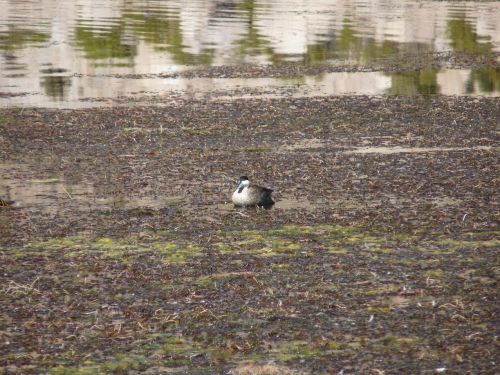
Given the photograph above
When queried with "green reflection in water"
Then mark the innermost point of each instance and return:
(104, 45)
(413, 83)
(56, 87)
(252, 43)
(21, 38)
(162, 30)
(166, 35)
(320, 52)
(365, 50)
(247, 5)
(488, 80)
(464, 39)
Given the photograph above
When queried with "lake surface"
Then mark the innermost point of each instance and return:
(79, 53)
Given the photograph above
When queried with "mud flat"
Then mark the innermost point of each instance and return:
(122, 253)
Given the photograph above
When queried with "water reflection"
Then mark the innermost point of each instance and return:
(101, 38)
(54, 193)
(56, 87)
(166, 36)
(463, 38)
(487, 80)
(90, 91)
(413, 83)
(106, 45)
(15, 38)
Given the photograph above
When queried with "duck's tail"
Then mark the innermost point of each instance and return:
(266, 200)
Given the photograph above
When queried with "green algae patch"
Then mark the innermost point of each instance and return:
(111, 247)
(386, 289)
(65, 246)
(285, 241)
(165, 351)
(435, 274)
(176, 347)
(339, 240)
(300, 350)
(385, 251)
(294, 240)
(287, 247)
(403, 237)
(335, 250)
(379, 310)
(456, 245)
(397, 343)
(293, 350)
(170, 252)
(293, 230)
(316, 231)
(224, 248)
(121, 363)
(361, 238)
(482, 235)
(194, 132)
(227, 308)
(117, 249)
(251, 235)
(290, 240)
(56, 244)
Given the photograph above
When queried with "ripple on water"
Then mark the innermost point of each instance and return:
(81, 53)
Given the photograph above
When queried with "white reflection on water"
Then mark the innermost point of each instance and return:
(107, 91)
(97, 38)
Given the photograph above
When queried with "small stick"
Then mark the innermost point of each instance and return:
(66, 191)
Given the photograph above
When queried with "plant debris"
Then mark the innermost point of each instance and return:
(122, 253)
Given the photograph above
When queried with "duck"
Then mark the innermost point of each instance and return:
(250, 195)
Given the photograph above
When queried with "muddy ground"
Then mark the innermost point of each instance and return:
(122, 253)
(403, 62)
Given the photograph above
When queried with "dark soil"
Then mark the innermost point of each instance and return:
(384, 259)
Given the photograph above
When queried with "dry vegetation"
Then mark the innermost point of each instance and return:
(384, 258)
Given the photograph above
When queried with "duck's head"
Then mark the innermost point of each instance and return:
(243, 182)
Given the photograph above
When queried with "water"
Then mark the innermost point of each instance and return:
(415, 150)
(53, 193)
(79, 53)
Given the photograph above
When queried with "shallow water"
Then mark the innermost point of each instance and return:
(415, 150)
(54, 193)
(82, 53)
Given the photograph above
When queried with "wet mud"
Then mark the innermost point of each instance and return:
(404, 62)
(123, 254)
